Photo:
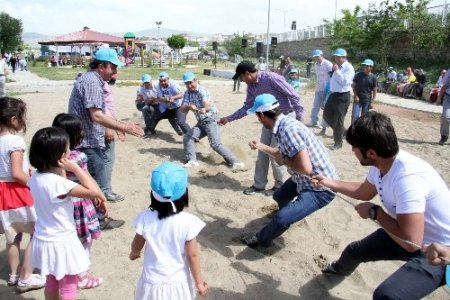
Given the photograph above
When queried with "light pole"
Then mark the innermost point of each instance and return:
(335, 9)
(267, 37)
(284, 11)
(158, 24)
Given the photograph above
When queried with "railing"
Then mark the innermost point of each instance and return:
(299, 35)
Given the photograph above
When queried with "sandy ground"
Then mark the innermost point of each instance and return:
(288, 270)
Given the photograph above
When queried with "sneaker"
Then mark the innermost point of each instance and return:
(191, 164)
(34, 282)
(328, 268)
(271, 191)
(110, 223)
(336, 147)
(114, 198)
(237, 166)
(311, 124)
(250, 240)
(322, 132)
(252, 190)
(12, 280)
(443, 140)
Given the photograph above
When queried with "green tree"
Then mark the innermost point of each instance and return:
(10, 32)
(176, 41)
(233, 46)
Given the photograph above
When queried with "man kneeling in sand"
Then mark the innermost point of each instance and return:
(302, 152)
(415, 210)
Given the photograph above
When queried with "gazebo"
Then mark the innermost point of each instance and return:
(86, 37)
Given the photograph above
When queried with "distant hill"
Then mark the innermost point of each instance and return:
(32, 38)
(164, 33)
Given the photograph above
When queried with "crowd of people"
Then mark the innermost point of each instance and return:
(63, 203)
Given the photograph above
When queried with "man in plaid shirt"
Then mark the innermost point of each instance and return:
(304, 155)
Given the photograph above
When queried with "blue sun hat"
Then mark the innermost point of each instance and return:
(263, 102)
(146, 78)
(294, 70)
(109, 55)
(317, 53)
(340, 52)
(188, 76)
(367, 62)
(169, 182)
(163, 75)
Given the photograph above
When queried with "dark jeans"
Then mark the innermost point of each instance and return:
(334, 114)
(168, 114)
(147, 113)
(292, 210)
(236, 85)
(414, 280)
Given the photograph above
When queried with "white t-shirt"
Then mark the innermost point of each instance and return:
(8, 144)
(146, 93)
(164, 255)
(55, 215)
(413, 186)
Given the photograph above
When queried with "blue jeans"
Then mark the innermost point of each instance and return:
(414, 280)
(109, 156)
(292, 210)
(98, 168)
(360, 108)
(445, 117)
(317, 104)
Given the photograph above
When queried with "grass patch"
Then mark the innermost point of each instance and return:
(133, 72)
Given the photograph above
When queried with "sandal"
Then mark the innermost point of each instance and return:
(89, 282)
(13, 278)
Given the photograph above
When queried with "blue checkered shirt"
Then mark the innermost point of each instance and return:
(292, 137)
(198, 98)
(88, 93)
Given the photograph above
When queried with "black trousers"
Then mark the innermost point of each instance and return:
(414, 280)
(334, 114)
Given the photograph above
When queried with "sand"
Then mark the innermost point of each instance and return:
(288, 270)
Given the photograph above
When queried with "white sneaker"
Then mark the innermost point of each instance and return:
(191, 163)
(238, 166)
(34, 282)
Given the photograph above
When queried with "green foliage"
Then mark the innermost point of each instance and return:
(233, 46)
(176, 41)
(10, 32)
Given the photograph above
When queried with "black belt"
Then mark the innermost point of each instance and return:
(288, 112)
(341, 93)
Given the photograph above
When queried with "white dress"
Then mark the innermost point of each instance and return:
(166, 273)
(56, 248)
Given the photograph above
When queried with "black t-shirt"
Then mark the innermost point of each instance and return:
(364, 85)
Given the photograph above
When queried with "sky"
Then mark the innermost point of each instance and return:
(53, 17)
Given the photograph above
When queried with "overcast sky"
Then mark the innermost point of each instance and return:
(53, 17)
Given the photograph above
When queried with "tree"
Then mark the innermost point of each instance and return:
(234, 45)
(176, 41)
(10, 32)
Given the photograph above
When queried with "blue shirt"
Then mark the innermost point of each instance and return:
(342, 78)
(171, 90)
(198, 98)
(87, 93)
(293, 137)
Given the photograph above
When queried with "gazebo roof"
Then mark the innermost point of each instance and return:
(85, 36)
(129, 35)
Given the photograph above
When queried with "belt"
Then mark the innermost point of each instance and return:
(288, 112)
(340, 93)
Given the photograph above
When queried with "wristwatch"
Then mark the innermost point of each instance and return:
(373, 212)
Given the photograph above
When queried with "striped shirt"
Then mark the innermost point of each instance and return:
(88, 93)
(323, 70)
(342, 79)
(271, 83)
(198, 98)
(293, 137)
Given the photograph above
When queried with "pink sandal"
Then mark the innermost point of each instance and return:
(88, 281)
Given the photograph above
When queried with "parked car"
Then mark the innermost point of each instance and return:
(223, 56)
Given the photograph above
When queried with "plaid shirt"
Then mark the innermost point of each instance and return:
(323, 70)
(271, 83)
(292, 137)
(88, 93)
(198, 98)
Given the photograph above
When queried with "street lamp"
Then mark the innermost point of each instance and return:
(158, 24)
(267, 37)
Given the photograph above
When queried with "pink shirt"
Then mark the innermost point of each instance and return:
(109, 100)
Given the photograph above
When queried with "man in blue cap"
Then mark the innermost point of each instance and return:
(169, 96)
(87, 101)
(198, 100)
(304, 154)
(337, 105)
(323, 68)
(364, 90)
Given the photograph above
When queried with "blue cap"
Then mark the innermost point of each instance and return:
(169, 181)
(294, 70)
(317, 53)
(163, 75)
(109, 55)
(340, 52)
(146, 78)
(188, 76)
(263, 102)
(367, 62)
